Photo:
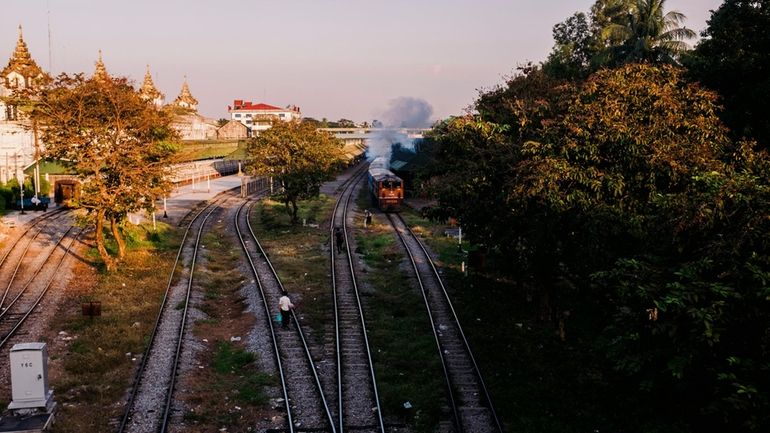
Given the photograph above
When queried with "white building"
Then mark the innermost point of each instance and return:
(257, 117)
(17, 144)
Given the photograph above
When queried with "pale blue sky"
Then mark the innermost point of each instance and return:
(333, 58)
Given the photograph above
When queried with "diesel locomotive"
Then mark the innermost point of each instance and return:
(386, 189)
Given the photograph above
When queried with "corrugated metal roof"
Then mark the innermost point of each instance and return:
(397, 165)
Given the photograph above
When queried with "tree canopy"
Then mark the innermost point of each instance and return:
(622, 197)
(733, 58)
(118, 144)
(615, 33)
(299, 156)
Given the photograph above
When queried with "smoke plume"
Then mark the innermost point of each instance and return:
(403, 112)
(406, 112)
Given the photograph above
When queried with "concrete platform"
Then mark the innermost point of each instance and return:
(26, 424)
(184, 198)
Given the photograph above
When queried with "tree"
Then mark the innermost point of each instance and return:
(299, 156)
(312, 121)
(622, 200)
(649, 34)
(733, 59)
(346, 123)
(119, 145)
(573, 50)
(606, 13)
(618, 32)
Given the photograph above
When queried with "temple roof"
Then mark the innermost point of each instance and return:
(148, 89)
(185, 97)
(100, 74)
(21, 61)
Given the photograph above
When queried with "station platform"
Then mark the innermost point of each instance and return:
(185, 198)
(178, 204)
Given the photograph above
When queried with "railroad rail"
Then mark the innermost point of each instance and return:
(29, 296)
(357, 394)
(15, 253)
(468, 395)
(303, 393)
(149, 403)
(32, 224)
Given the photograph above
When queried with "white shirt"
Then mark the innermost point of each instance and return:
(285, 303)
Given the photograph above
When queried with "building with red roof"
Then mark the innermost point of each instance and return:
(258, 117)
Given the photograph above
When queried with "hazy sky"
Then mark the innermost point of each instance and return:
(333, 58)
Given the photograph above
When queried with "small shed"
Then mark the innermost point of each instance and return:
(232, 130)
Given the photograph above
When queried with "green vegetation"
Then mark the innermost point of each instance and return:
(10, 192)
(298, 156)
(234, 368)
(118, 145)
(614, 33)
(298, 253)
(732, 60)
(229, 389)
(404, 349)
(207, 149)
(624, 226)
(102, 352)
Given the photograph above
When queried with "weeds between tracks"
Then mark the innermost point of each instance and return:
(92, 364)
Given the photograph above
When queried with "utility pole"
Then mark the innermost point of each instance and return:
(37, 158)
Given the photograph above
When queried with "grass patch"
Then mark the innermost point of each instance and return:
(404, 349)
(299, 253)
(97, 362)
(228, 389)
(230, 363)
(206, 149)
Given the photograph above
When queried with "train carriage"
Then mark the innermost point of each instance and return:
(66, 191)
(386, 189)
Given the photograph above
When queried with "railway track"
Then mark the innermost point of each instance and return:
(13, 261)
(306, 406)
(21, 298)
(470, 402)
(149, 404)
(357, 395)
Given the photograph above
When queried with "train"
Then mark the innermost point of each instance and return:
(385, 188)
(66, 191)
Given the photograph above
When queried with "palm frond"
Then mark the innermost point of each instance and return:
(678, 34)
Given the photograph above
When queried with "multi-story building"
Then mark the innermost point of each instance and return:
(17, 143)
(258, 117)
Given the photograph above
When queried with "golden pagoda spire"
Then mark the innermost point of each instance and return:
(100, 74)
(185, 98)
(148, 90)
(21, 65)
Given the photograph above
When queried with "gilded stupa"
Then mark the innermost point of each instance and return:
(149, 92)
(22, 71)
(185, 98)
(100, 73)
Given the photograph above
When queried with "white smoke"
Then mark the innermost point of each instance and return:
(403, 112)
(406, 112)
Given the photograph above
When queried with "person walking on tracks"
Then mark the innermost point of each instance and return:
(339, 239)
(285, 306)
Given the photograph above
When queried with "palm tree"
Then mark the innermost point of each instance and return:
(650, 35)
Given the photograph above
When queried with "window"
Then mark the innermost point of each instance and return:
(282, 115)
(248, 122)
(237, 115)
